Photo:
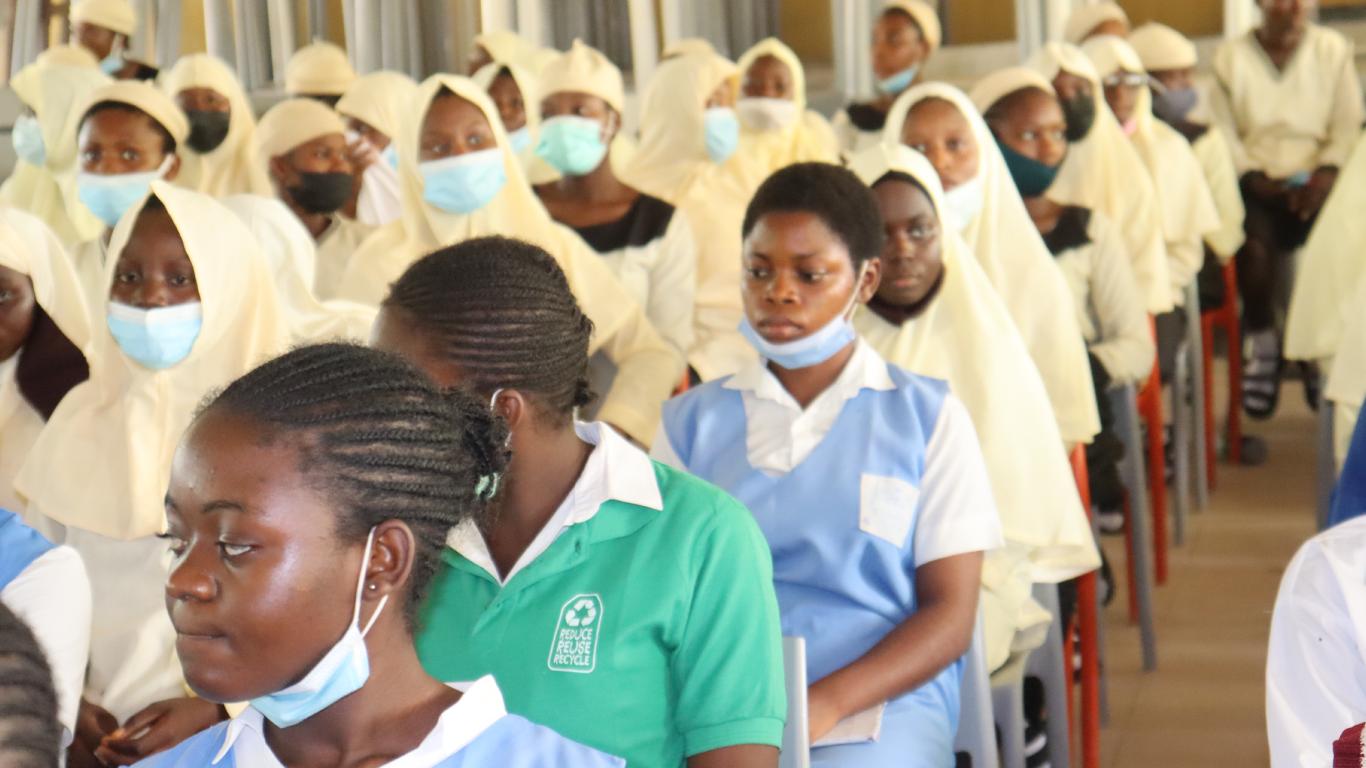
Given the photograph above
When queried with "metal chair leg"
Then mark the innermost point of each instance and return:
(1182, 435)
(976, 723)
(1008, 704)
(1326, 471)
(1195, 351)
(1049, 664)
(1134, 476)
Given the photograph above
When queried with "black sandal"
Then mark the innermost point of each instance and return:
(1261, 386)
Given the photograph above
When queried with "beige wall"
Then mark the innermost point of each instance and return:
(1192, 19)
(805, 27)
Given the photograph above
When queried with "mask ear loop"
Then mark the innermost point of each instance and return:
(848, 313)
(360, 590)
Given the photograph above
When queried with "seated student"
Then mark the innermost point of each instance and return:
(374, 110)
(190, 305)
(128, 136)
(503, 46)
(31, 705)
(303, 146)
(635, 592)
(461, 180)
(982, 204)
(323, 457)
(689, 135)
(866, 479)
(320, 71)
(105, 27)
(1028, 124)
(646, 242)
(1188, 211)
(776, 128)
(1088, 21)
(220, 152)
(1290, 101)
(905, 35)
(46, 587)
(44, 326)
(44, 139)
(511, 89)
(1315, 669)
(936, 314)
(1103, 170)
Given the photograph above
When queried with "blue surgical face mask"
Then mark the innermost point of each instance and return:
(463, 183)
(571, 144)
(113, 62)
(963, 203)
(898, 82)
(341, 672)
(814, 349)
(519, 139)
(27, 137)
(723, 133)
(390, 155)
(108, 197)
(157, 338)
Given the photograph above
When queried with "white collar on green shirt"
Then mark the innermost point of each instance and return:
(615, 470)
(479, 707)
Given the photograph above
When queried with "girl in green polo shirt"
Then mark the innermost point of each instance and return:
(626, 605)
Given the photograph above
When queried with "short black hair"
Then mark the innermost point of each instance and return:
(168, 145)
(501, 309)
(30, 733)
(330, 99)
(831, 192)
(381, 441)
(999, 110)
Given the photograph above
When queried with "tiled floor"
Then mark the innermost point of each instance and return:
(1204, 704)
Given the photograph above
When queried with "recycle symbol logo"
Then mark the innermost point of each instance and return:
(582, 614)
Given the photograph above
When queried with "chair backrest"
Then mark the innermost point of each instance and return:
(976, 722)
(796, 734)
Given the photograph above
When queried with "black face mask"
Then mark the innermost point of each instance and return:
(207, 129)
(1080, 112)
(321, 192)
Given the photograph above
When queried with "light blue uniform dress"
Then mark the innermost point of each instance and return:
(20, 545)
(498, 740)
(839, 587)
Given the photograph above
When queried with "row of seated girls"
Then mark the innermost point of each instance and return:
(341, 554)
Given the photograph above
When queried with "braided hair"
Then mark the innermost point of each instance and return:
(830, 192)
(30, 734)
(381, 441)
(501, 310)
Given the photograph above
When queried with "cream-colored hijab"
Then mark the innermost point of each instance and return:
(1188, 210)
(1331, 267)
(232, 167)
(808, 138)
(104, 461)
(381, 100)
(966, 337)
(1011, 253)
(1104, 171)
(57, 95)
(536, 169)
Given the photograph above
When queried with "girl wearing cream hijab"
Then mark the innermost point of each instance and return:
(513, 90)
(1103, 169)
(936, 314)
(1104, 18)
(128, 138)
(905, 35)
(646, 242)
(460, 179)
(776, 128)
(189, 307)
(220, 152)
(374, 109)
(321, 71)
(1188, 211)
(983, 205)
(503, 46)
(44, 179)
(44, 326)
(303, 145)
(687, 157)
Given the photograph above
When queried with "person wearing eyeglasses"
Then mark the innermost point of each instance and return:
(1188, 210)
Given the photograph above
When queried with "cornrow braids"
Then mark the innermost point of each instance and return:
(381, 441)
(832, 193)
(30, 734)
(502, 311)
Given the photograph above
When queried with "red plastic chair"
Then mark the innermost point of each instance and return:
(1225, 317)
(1150, 409)
(1088, 624)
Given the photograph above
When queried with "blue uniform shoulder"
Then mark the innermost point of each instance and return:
(693, 501)
(198, 751)
(515, 742)
(916, 384)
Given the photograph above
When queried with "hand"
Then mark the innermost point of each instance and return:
(362, 155)
(93, 723)
(1314, 194)
(1263, 185)
(823, 712)
(157, 728)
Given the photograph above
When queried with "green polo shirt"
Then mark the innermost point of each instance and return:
(649, 634)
